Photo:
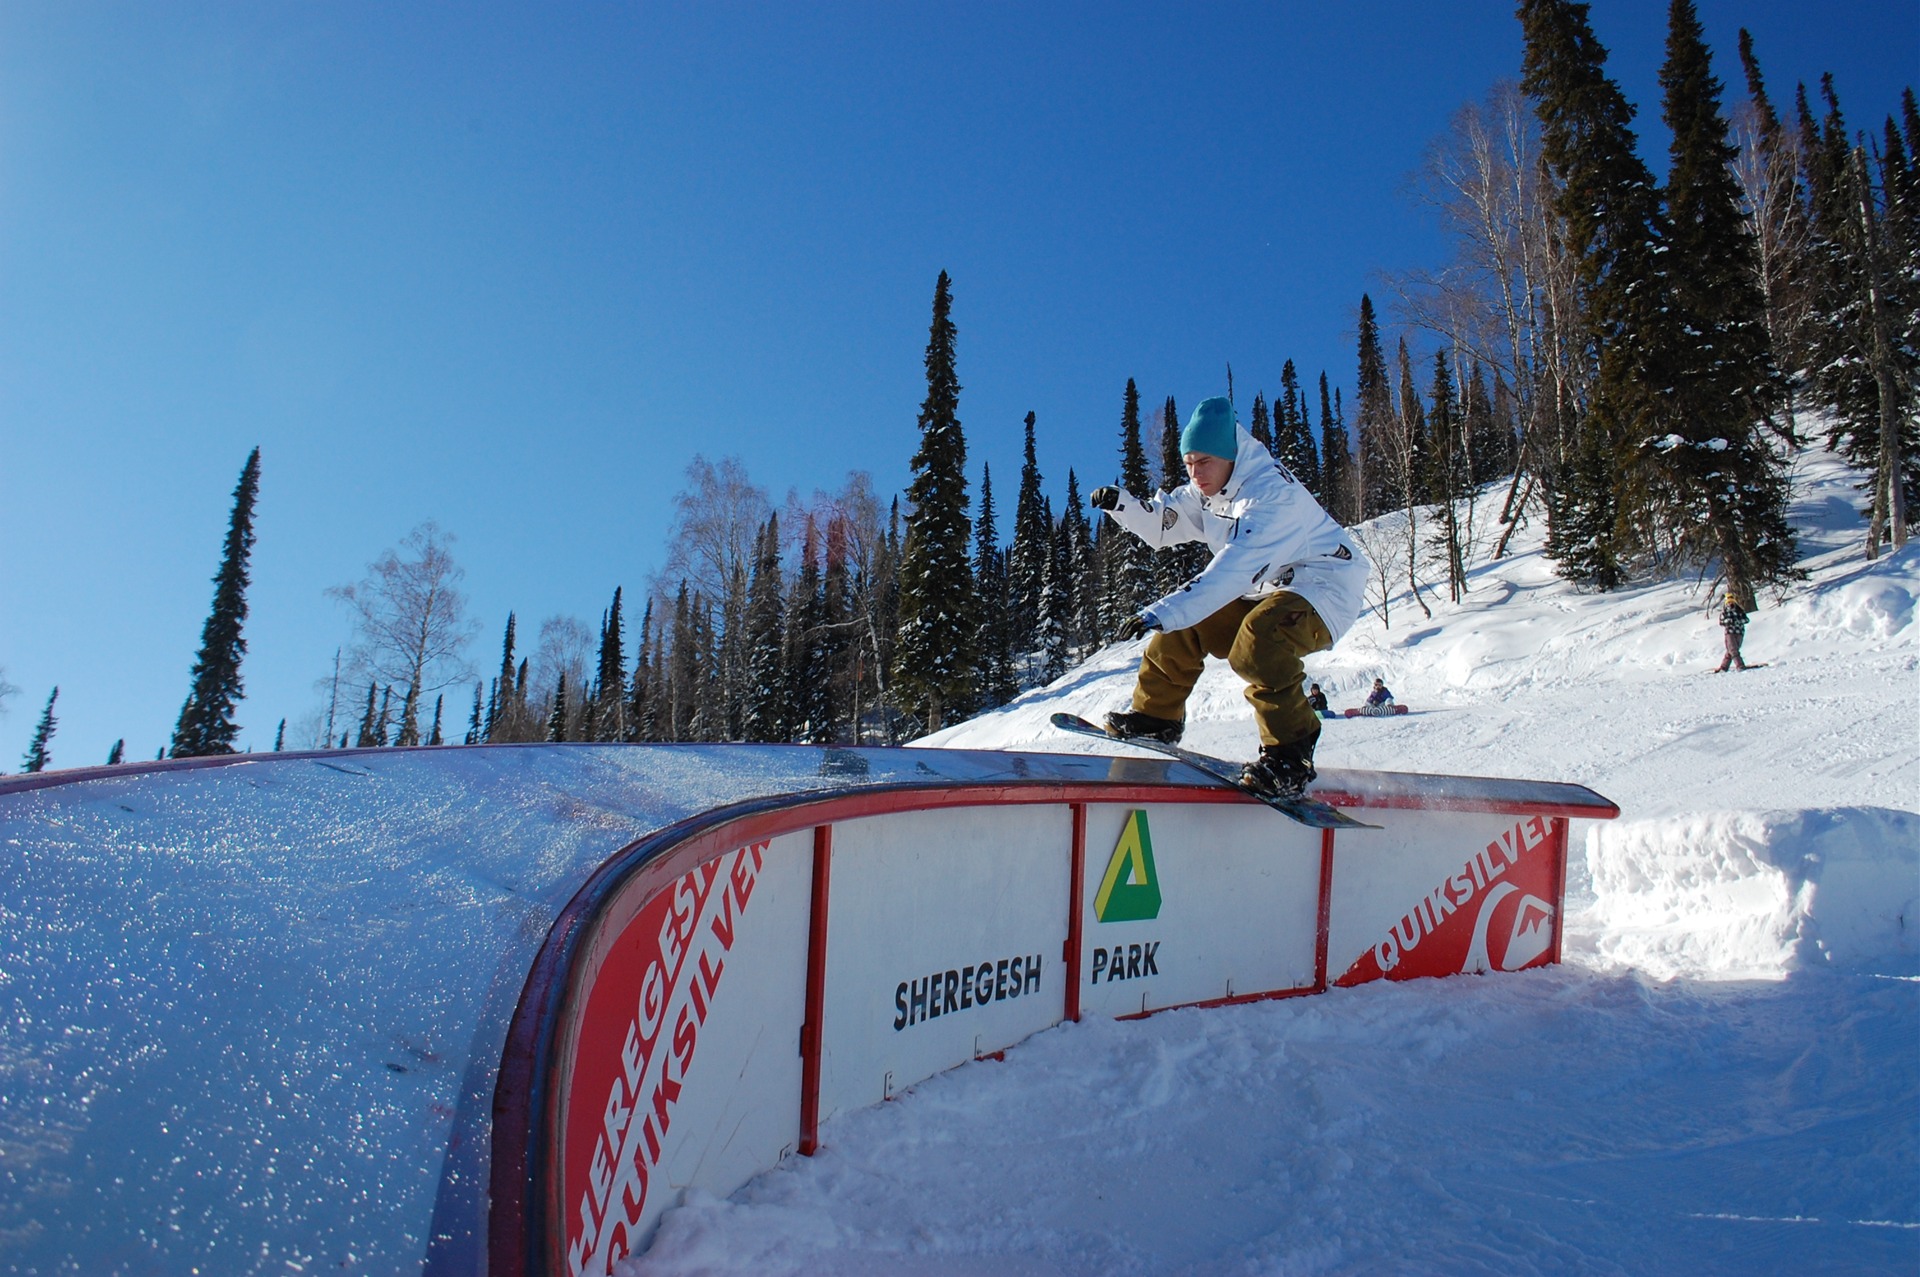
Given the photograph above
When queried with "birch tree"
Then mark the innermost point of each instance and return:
(410, 622)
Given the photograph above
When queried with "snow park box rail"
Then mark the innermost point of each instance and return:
(494, 1008)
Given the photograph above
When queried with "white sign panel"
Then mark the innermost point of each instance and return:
(945, 933)
(1192, 903)
(1440, 893)
(686, 1064)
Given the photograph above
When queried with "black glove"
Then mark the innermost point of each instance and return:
(1131, 628)
(1104, 498)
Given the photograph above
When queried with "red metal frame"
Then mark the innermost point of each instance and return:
(1323, 922)
(1076, 887)
(1558, 837)
(1231, 1000)
(813, 1029)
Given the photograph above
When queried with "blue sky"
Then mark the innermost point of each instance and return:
(511, 268)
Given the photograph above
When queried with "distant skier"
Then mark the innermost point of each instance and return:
(1317, 701)
(1733, 619)
(1285, 580)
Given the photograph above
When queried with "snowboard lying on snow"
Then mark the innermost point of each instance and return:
(1367, 711)
(1308, 811)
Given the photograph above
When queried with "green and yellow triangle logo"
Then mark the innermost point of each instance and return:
(1130, 889)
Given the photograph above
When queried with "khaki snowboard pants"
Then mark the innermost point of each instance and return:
(1263, 641)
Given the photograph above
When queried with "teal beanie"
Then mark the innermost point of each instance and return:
(1210, 430)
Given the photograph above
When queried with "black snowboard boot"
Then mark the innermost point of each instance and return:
(1123, 724)
(1281, 771)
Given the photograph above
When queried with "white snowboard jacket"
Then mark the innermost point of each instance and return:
(1267, 534)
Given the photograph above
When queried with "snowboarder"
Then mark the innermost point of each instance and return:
(1317, 701)
(1285, 580)
(1733, 619)
(1379, 701)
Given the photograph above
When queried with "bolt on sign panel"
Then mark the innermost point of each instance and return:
(945, 935)
(1185, 904)
(684, 1062)
(1445, 893)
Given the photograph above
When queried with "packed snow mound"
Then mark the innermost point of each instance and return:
(1752, 894)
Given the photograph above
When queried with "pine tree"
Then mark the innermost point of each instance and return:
(117, 754)
(683, 669)
(206, 723)
(366, 738)
(1336, 462)
(1866, 344)
(1448, 480)
(766, 718)
(40, 748)
(645, 717)
(934, 661)
(836, 626)
(1085, 630)
(1374, 419)
(1777, 216)
(1174, 564)
(1055, 633)
(806, 672)
(995, 638)
(883, 621)
(1259, 427)
(1720, 488)
(1489, 437)
(610, 688)
(730, 656)
(709, 705)
(1127, 562)
(1610, 221)
(501, 723)
(557, 720)
(1032, 544)
(1293, 437)
(409, 733)
(1411, 472)
(1173, 467)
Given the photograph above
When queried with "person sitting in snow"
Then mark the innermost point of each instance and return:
(1733, 619)
(1379, 701)
(1285, 580)
(1317, 701)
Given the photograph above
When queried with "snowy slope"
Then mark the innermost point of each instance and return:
(1724, 1077)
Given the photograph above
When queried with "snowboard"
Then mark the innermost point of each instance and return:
(1361, 713)
(1308, 811)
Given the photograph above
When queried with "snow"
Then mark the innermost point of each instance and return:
(251, 1016)
(1724, 1076)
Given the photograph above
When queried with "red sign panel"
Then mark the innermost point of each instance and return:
(637, 1035)
(1495, 913)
